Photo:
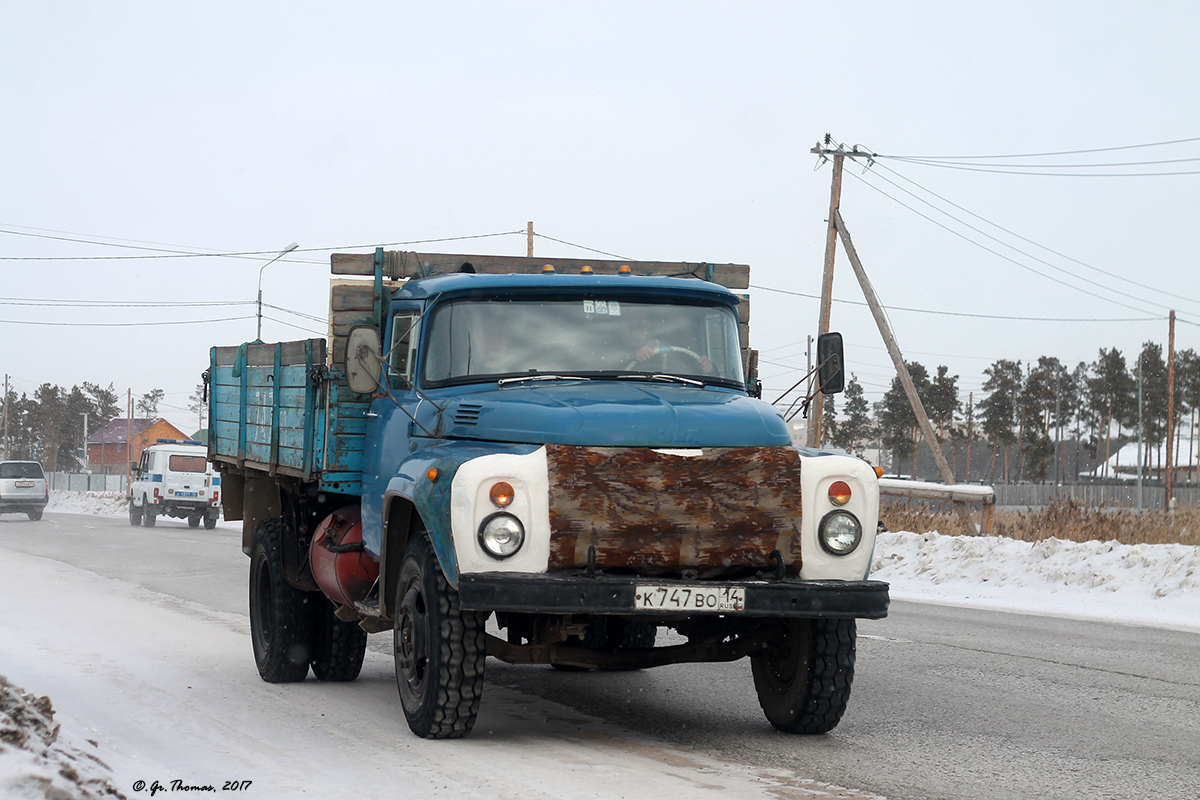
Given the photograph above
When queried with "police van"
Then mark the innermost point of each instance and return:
(174, 479)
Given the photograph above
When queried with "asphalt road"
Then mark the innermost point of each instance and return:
(947, 703)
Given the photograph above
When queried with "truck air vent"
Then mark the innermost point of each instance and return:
(467, 413)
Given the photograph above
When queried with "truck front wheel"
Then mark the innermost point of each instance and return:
(338, 647)
(280, 618)
(135, 514)
(148, 514)
(210, 522)
(439, 648)
(803, 677)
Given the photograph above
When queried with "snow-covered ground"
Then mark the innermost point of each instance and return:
(1156, 585)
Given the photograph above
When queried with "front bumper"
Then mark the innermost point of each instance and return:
(576, 593)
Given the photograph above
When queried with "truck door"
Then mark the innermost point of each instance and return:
(389, 428)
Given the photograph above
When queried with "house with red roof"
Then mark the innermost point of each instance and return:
(113, 447)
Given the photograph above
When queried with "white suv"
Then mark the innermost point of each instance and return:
(175, 479)
(23, 488)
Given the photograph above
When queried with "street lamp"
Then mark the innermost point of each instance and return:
(282, 253)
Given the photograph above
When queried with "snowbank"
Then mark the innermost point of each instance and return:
(35, 763)
(1147, 584)
(96, 504)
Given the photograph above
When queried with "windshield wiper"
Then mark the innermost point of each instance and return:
(524, 378)
(646, 376)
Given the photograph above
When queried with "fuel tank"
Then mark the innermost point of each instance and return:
(342, 568)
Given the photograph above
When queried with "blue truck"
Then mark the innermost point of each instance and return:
(556, 462)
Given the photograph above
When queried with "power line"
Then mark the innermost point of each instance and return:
(122, 324)
(297, 313)
(1055, 174)
(941, 163)
(997, 253)
(1003, 243)
(291, 325)
(167, 252)
(580, 246)
(962, 313)
(46, 303)
(1063, 152)
(1019, 236)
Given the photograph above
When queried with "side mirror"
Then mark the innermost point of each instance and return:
(363, 359)
(831, 375)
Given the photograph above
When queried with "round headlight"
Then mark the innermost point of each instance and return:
(840, 532)
(501, 535)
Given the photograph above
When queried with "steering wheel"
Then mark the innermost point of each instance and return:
(660, 351)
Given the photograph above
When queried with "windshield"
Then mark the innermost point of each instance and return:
(20, 469)
(598, 336)
(188, 463)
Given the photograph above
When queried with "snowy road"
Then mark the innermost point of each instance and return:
(140, 638)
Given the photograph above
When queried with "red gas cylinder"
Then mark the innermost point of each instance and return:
(342, 568)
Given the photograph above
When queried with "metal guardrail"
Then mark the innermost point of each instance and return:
(958, 493)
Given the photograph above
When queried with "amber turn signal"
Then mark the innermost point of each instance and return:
(431, 474)
(501, 494)
(839, 493)
(878, 472)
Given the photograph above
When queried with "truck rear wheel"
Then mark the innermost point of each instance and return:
(803, 678)
(147, 513)
(194, 521)
(439, 648)
(210, 522)
(338, 647)
(280, 619)
(135, 514)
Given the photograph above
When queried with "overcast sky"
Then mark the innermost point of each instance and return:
(652, 131)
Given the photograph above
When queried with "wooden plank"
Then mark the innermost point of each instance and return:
(346, 295)
(400, 265)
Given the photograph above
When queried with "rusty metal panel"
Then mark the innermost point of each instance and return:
(711, 510)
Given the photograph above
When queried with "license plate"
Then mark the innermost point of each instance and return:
(185, 494)
(23, 484)
(690, 598)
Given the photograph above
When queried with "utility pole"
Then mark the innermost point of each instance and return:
(813, 434)
(970, 430)
(1170, 411)
(1141, 429)
(893, 349)
(6, 417)
(1058, 471)
(529, 239)
(128, 436)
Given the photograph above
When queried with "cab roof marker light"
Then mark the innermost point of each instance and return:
(624, 270)
(585, 270)
(548, 269)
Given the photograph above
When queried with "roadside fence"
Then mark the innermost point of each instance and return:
(80, 482)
